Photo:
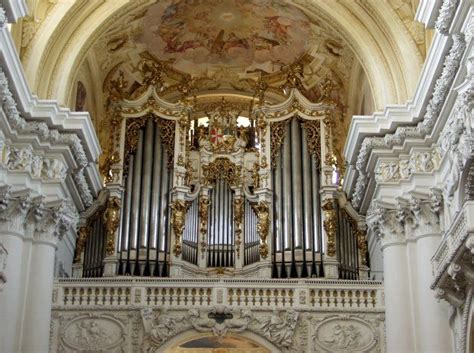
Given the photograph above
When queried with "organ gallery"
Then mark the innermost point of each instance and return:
(236, 176)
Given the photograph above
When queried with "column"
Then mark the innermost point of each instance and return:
(388, 225)
(432, 316)
(50, 224)
(12, 233)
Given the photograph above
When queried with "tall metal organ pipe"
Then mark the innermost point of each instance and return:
(296, 219)
(136, 193)
(146, 184)
(144, 249)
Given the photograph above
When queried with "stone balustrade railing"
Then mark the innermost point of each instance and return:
(454, 239)
(319, 295)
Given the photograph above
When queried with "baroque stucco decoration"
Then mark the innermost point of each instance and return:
(424, 127)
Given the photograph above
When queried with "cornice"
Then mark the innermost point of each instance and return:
(27, 117)
(397, 140)
(14, 9)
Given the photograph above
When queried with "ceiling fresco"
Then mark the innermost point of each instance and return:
(221, 45)
(245, 35)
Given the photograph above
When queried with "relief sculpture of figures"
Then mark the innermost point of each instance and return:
(278, 329)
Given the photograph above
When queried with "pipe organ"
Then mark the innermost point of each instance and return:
(219, 192)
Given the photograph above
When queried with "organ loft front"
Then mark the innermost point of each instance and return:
(214, 185)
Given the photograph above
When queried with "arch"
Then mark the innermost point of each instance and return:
(191, 335)
(377, 36)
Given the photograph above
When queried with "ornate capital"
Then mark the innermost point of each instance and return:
(410, 217)
(14, 209)
(51, 223)
(387, 224)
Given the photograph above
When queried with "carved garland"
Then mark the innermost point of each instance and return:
(262, 211)
(330, 226)
(238, 219)
(204, 204)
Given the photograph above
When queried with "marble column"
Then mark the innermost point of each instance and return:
(388, 226)
(50, 224)
(432, 316)
(13, 210)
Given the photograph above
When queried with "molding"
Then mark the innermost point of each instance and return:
(427, 12)
(14, 9)
(51, 124)
(422, 129)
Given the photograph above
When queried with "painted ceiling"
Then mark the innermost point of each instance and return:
(225, 40)
(245, 35)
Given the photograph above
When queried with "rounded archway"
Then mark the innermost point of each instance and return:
(194, 342)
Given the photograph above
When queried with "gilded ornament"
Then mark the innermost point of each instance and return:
(178, 215)
(362, 245)
(112, 220)
(313, 136)
(117, 87)
(167, 133)
(238, 220)
(82, 234)
(107, 170)
(330, 226)
(203, 210)
(262, 211)
(222, 168)
(277, 132)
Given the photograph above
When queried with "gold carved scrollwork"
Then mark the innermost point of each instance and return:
(313, 136)
(204, 204)
(84, 232)
(117, 88)
(277, 132)
(330, 158)
(238, 219)
(108, 172)
(131, 138)
(222, 168)
(178, 215)
(81, 242)
(362, 245)
(361, 236)
(112, 221)
(167, 132)
(262, 211)
(330, 226)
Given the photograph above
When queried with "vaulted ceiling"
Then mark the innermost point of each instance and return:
(372, 50)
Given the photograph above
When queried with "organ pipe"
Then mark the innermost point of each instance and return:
(136, 192)
(296, 190)
(156, 192)
(146, 184)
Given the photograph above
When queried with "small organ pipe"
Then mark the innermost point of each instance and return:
(146, 183)
(287, 204)
(163, 202)
(136, 192)
(158, 165)
(278, 206)
(307, 195)
(296, 190)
